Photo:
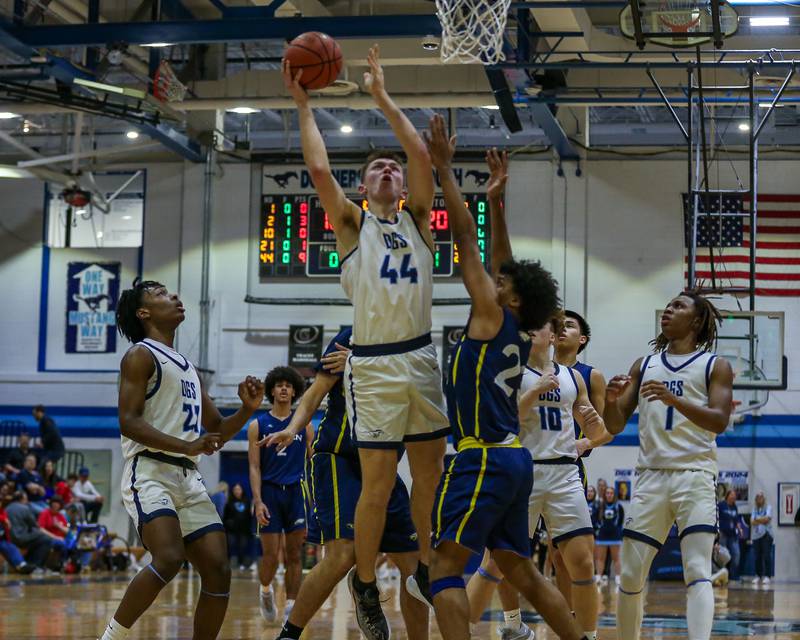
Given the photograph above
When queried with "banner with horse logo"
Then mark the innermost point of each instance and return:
(92, 292)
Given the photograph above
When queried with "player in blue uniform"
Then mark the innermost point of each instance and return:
(335, 485)
(275, 480)
(482, 500)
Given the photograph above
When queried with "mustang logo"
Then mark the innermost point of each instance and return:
(282, 179)
(481, 177)
(93, 302)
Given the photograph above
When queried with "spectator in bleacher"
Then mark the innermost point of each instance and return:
(68, 496)
(54, 523)
(90, 497)
(238, 520)
(53, 484)
(609, 526)
(729, 531)
(761, 523)
(16, 459)
(49, 435)
(30, 481)
(25, 532)
(8, 550)
(220, 497)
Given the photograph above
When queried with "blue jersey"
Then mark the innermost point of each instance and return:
(586, 373)
(483, 383)
(287, 466)
(610, 521)
(333, 433)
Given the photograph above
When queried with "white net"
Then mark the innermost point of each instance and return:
(166, 86)
(472, 30)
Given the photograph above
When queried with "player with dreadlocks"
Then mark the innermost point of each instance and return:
(162, 409)
(683, 392)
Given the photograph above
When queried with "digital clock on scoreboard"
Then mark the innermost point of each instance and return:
(296, 239)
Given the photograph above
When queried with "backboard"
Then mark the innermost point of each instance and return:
(752, 341)
(676, 23)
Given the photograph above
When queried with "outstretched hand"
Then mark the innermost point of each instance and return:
(440, 147)
(251, 393)
(280, 440)
(291, 81)
(498, 172)
(616, 386)
(373, 79)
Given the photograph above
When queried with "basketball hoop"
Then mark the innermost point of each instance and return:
(678, 23)
(166, 86)
(472, 30)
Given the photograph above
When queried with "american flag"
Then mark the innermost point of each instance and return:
(777, 248)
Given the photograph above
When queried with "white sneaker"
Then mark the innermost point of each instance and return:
(616, 580)
(604, 579)
(765, 580)
(266, 604)
(523, 632)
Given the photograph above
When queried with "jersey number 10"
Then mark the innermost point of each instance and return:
(550, 418)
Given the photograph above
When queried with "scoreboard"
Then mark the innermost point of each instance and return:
(296, 239)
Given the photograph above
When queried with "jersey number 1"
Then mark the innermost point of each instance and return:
(670, 417)
(406, 270)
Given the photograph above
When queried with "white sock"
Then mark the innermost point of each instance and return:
(267, 589)
(512, 619)
(700, 610)
(630, 610)
(289, 605)
(115, 631)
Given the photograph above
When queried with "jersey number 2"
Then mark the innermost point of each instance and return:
(406, 270)
(192, 422)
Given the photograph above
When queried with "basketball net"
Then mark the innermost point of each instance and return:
(472, 30)
(166, 86)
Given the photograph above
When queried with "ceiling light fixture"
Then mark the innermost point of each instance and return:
(743, 126)
(243, 110)
(346, 128)
(156, 45)
(769, 21)
(491, 107)
(7, 115)
(132, 135)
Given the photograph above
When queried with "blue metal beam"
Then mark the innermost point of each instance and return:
(235, 30)
(552, 129)
(66, 72)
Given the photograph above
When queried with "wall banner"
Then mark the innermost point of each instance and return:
(92, 293)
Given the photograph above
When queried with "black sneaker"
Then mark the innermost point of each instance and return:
(369, 615)
(26, 568)
(419, 586)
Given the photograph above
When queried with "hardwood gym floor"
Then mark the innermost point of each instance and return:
(74, 607)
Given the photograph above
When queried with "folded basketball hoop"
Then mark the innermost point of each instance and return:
(677, 23)
(472, 30)
(166, 86)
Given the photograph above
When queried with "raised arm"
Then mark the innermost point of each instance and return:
(251, 393)
(621, 399)
(529, 399)
(420, 176)
(498, 176)
(309, 403)
(486, 316)
(136, 368)
(343, 214)
(715, 416)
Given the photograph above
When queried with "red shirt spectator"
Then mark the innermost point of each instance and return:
(53, 521)
(63, 491)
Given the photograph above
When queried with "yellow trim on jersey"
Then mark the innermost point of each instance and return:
(475, 443)
(314, 498)
(335, 498)
(341, 433)
(478, 389)
(478, 484)
(455, 374)
(441, 497)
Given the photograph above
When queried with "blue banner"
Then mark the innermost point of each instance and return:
(92, 292)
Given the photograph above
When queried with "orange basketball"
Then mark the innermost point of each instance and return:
(318, 55)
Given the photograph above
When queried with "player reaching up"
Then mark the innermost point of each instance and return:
(683, 392)
(482, 499)
(393, 381)
(162, 410)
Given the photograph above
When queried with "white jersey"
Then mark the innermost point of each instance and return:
(389, 279)
(667, 438)
(173, 403)
(548, 431)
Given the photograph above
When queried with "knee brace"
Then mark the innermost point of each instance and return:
(449, 582)
(637, 556)
(696, 549)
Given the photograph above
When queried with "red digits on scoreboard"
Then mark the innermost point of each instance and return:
(439, 220)
(303, 207)
(328, 226)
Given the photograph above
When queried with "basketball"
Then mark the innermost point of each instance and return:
(318, 55)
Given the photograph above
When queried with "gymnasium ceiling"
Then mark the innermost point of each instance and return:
(585, 72)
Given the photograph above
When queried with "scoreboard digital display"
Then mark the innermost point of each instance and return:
(296, 239)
